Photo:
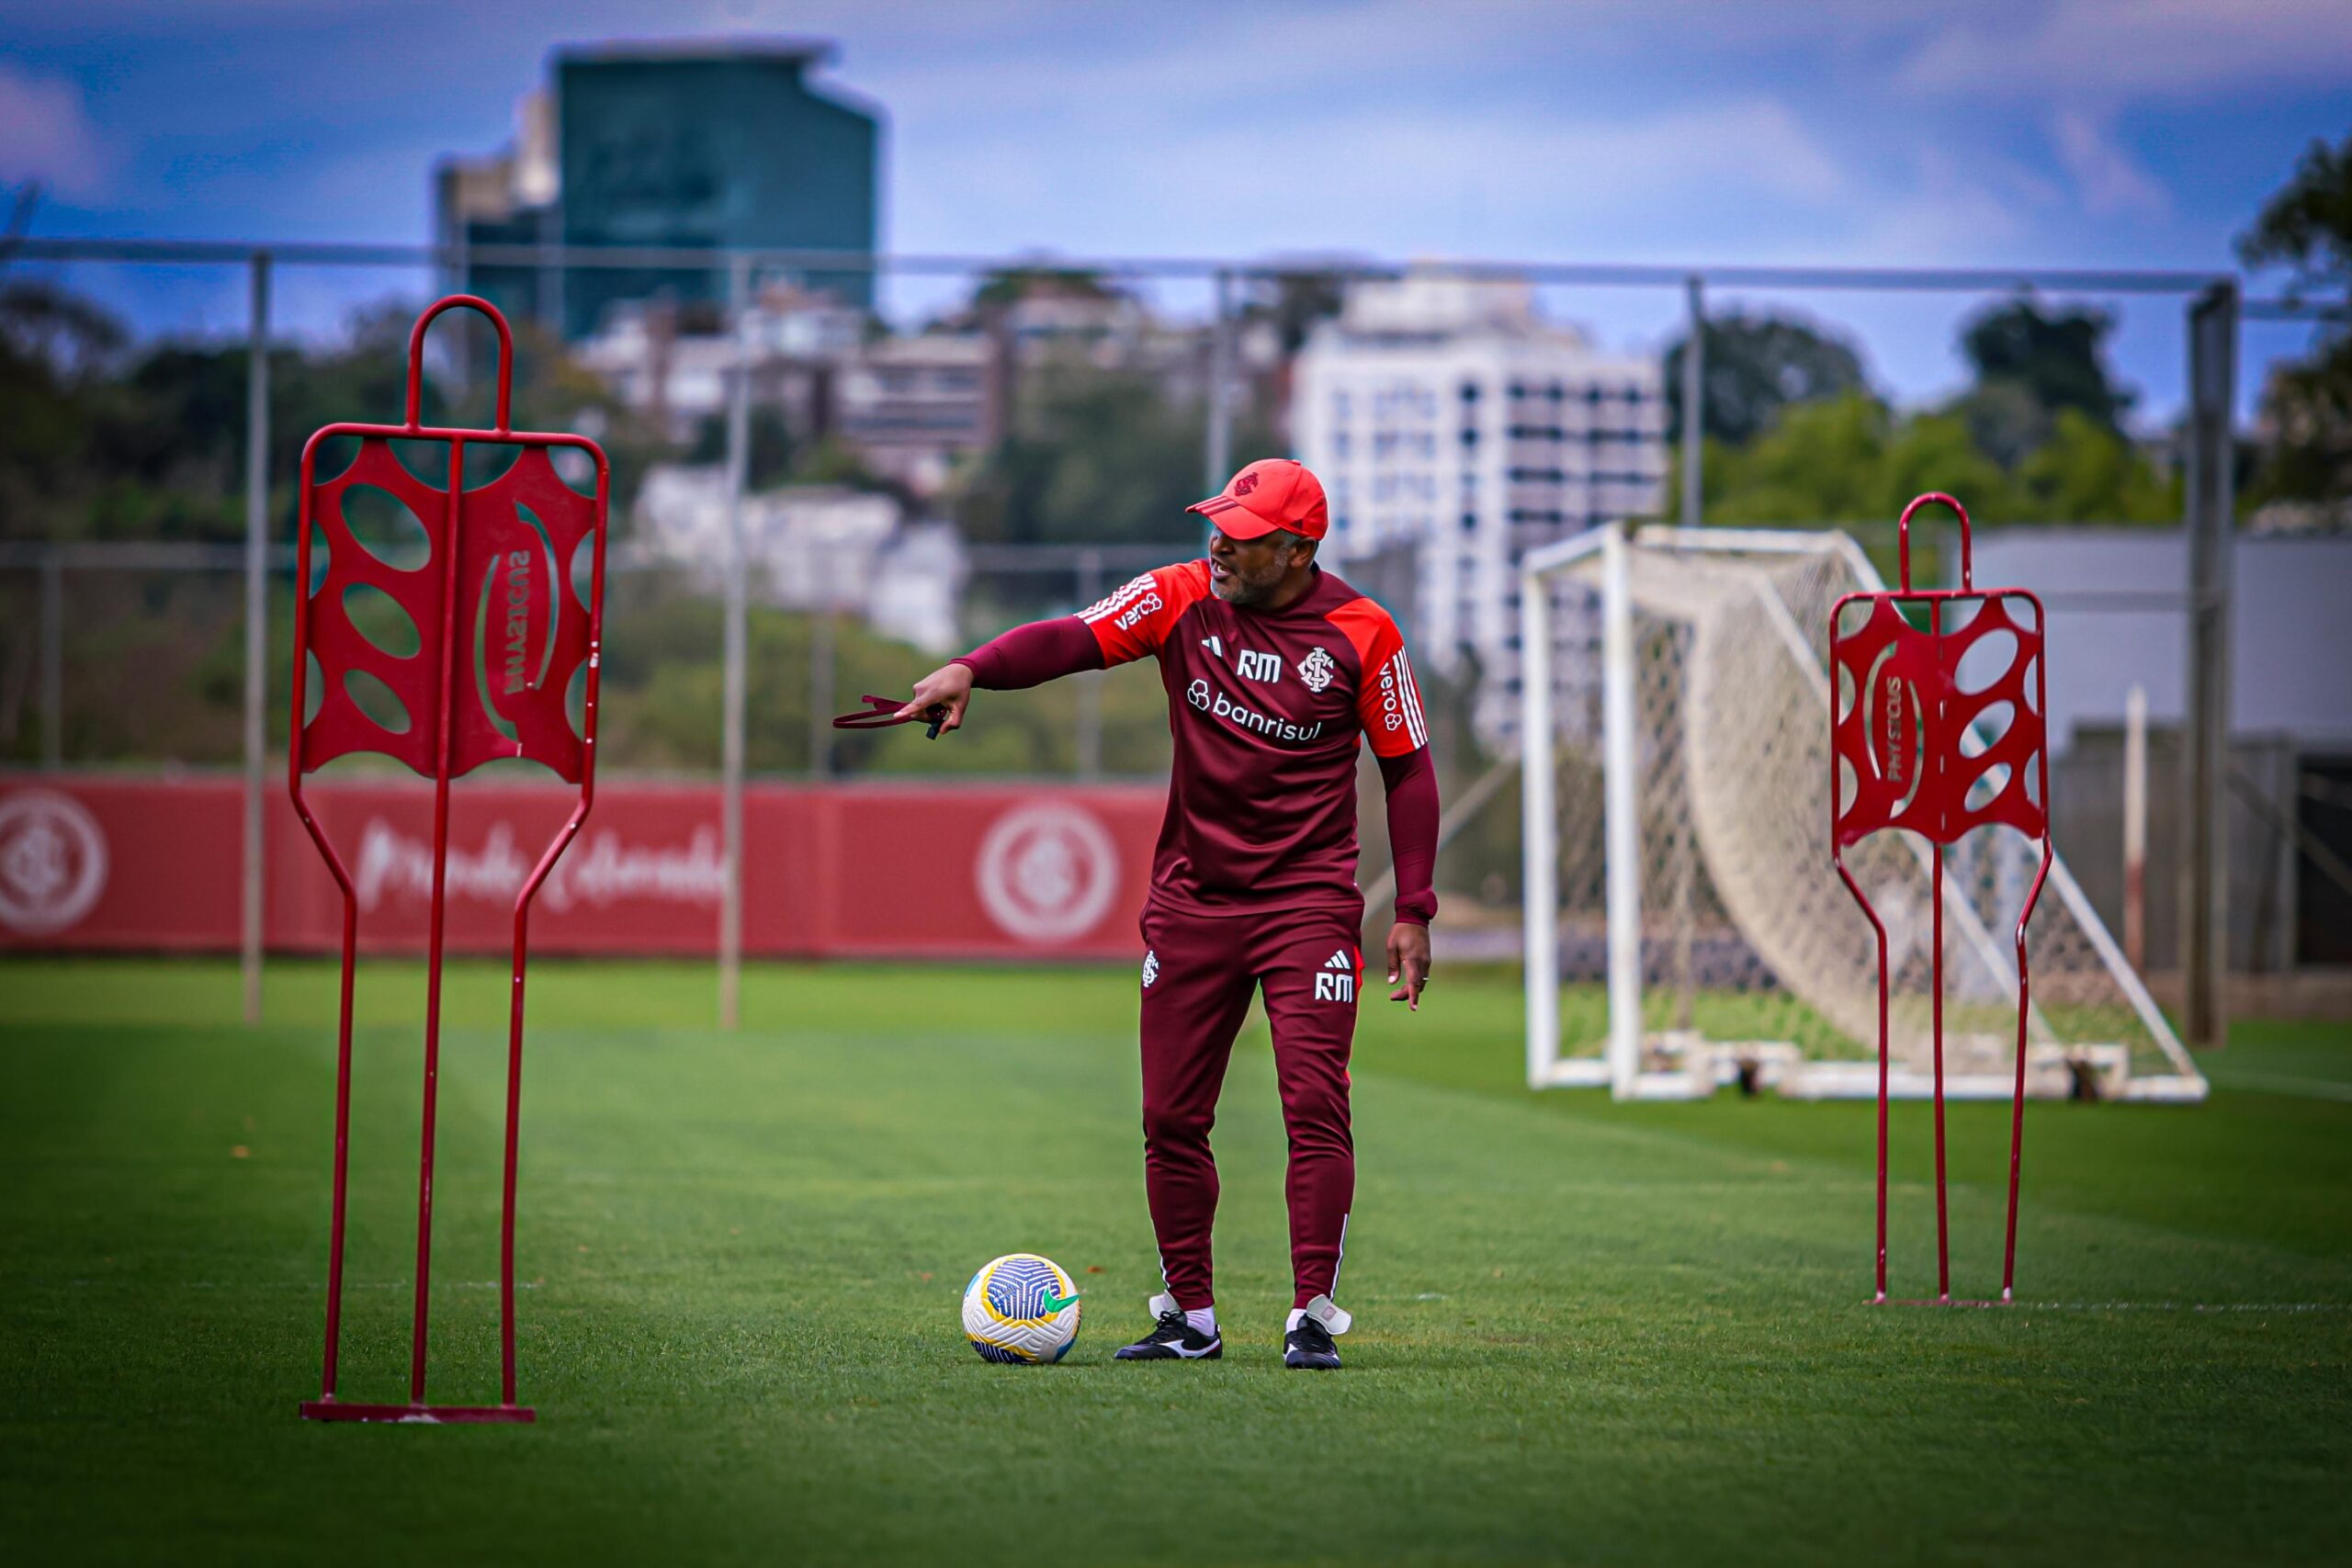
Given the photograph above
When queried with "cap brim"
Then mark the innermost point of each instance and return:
(1233, 519)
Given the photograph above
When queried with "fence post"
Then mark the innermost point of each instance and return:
(52, 657)
(1089, 685)
(731, 745)
(1219, 457)
(821, 637)
(2135, 827)
(1695, 402)
(256, 619)
(2204, 885)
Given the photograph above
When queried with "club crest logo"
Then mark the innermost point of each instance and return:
(52, 862)
(1048, 873)
(1245, 484)
(1151, 968)
(1315, 669)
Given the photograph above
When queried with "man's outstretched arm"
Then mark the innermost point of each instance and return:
(1128, 625)
(1026, 656)
(1411, 782)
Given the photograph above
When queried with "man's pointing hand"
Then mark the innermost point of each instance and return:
(950, 686)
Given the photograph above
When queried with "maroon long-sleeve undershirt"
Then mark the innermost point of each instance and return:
(1412, 832)
(1046, 650)
(1032, 655)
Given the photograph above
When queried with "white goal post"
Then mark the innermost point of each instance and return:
(1684, 926)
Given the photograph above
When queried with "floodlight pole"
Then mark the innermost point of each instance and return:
(1694, 404)
(2204, 886)
(1220, 456)
(256, 620)
(731, 747)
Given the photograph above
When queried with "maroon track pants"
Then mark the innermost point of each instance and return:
(1198, 976)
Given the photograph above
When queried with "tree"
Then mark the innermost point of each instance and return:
(2085, 473)
(2307, 417)
(2031, 366)
(1817, 464)
(2307, 406)
(1099, 457)
(1010, 285)
(773, 455)
(1295, 302)
(1756, 366)
(2307, 225)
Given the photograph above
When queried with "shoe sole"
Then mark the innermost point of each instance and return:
(1317, 1364)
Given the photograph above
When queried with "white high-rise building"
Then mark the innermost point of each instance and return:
(1445, 413)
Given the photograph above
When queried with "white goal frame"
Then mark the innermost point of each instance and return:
(1620, 1068)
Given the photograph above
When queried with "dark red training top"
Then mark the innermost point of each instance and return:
(1266, 708)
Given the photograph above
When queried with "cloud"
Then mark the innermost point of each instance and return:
(46, 134)
(2110, 49)
(2110, 182)
(1291, 179)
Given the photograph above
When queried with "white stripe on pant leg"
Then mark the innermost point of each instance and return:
(1334, 1292)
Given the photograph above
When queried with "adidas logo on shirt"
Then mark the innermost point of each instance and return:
(1336, 981)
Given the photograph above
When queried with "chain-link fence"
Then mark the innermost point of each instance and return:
(866, 480)
(130, 656)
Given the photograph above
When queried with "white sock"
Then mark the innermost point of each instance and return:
(1297, 1315)
(1202, 1319)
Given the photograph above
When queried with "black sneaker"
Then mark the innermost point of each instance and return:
(1310, 1346)
(1172, 1339)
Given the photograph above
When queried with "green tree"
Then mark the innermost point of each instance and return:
(772, 457)
(1295, 302)
(54, 350)
(2307, 406)
(1820, 462)
(2030, 366)
(1098, 457)
(2085, 473)
(1008, 285)
(2308, 224)
(1754, 367)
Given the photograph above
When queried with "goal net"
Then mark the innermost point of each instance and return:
(1678, 871)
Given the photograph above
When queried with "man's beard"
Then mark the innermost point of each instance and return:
(1244, 594)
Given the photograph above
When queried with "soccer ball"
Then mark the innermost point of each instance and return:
(1021, 1307)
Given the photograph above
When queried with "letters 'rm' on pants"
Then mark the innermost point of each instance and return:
(1198, 976)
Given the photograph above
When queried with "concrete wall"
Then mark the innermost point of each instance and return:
(2290, 642)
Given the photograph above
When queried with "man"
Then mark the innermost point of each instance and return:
(1274, 668)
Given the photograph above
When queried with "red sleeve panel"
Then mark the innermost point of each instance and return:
(1387, 702)
(1137, 619)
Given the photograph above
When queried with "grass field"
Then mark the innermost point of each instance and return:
(1586, 1331)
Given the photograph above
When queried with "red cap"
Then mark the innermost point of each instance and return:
(1271, 493)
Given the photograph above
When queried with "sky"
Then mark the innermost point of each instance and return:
(2064, 134)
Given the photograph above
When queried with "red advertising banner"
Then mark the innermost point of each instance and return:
(929, 871)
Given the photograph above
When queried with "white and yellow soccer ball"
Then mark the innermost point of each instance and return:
(1021, 1307)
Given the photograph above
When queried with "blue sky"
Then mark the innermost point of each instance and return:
(2055, 132)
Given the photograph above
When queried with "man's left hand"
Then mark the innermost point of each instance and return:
(1408, 960)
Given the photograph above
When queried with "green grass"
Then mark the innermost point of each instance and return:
(1586, 1331)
